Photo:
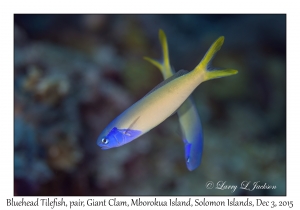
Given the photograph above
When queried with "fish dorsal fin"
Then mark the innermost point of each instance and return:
(176, 75)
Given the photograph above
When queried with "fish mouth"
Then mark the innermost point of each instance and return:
(104, 147)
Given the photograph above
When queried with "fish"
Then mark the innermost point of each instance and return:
(190, 123)
(161, 102)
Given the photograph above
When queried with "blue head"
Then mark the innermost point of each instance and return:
(193, 154)
(116, 137)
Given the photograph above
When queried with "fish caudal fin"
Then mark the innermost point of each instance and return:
(205, 63)
(163, 66)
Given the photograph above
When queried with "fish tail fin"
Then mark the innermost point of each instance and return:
(204, 64)
(163, 66)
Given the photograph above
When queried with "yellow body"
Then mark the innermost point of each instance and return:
(160, 104)
(155, 107)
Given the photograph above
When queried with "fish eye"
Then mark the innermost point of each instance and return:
(104, 141)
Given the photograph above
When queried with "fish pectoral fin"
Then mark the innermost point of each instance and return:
(129, 134)
(126, 132)
(130, 127)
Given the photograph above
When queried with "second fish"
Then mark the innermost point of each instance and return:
(189, 120)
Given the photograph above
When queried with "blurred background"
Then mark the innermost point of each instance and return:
(73, 74)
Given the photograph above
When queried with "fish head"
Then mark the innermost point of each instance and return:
(193, 153)
(109, 140)
(117, 137)
(190, 163)
(187, 153)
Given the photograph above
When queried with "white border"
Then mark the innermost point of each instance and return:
(8, 8)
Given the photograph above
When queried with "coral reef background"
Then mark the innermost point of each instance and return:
(73, 74)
